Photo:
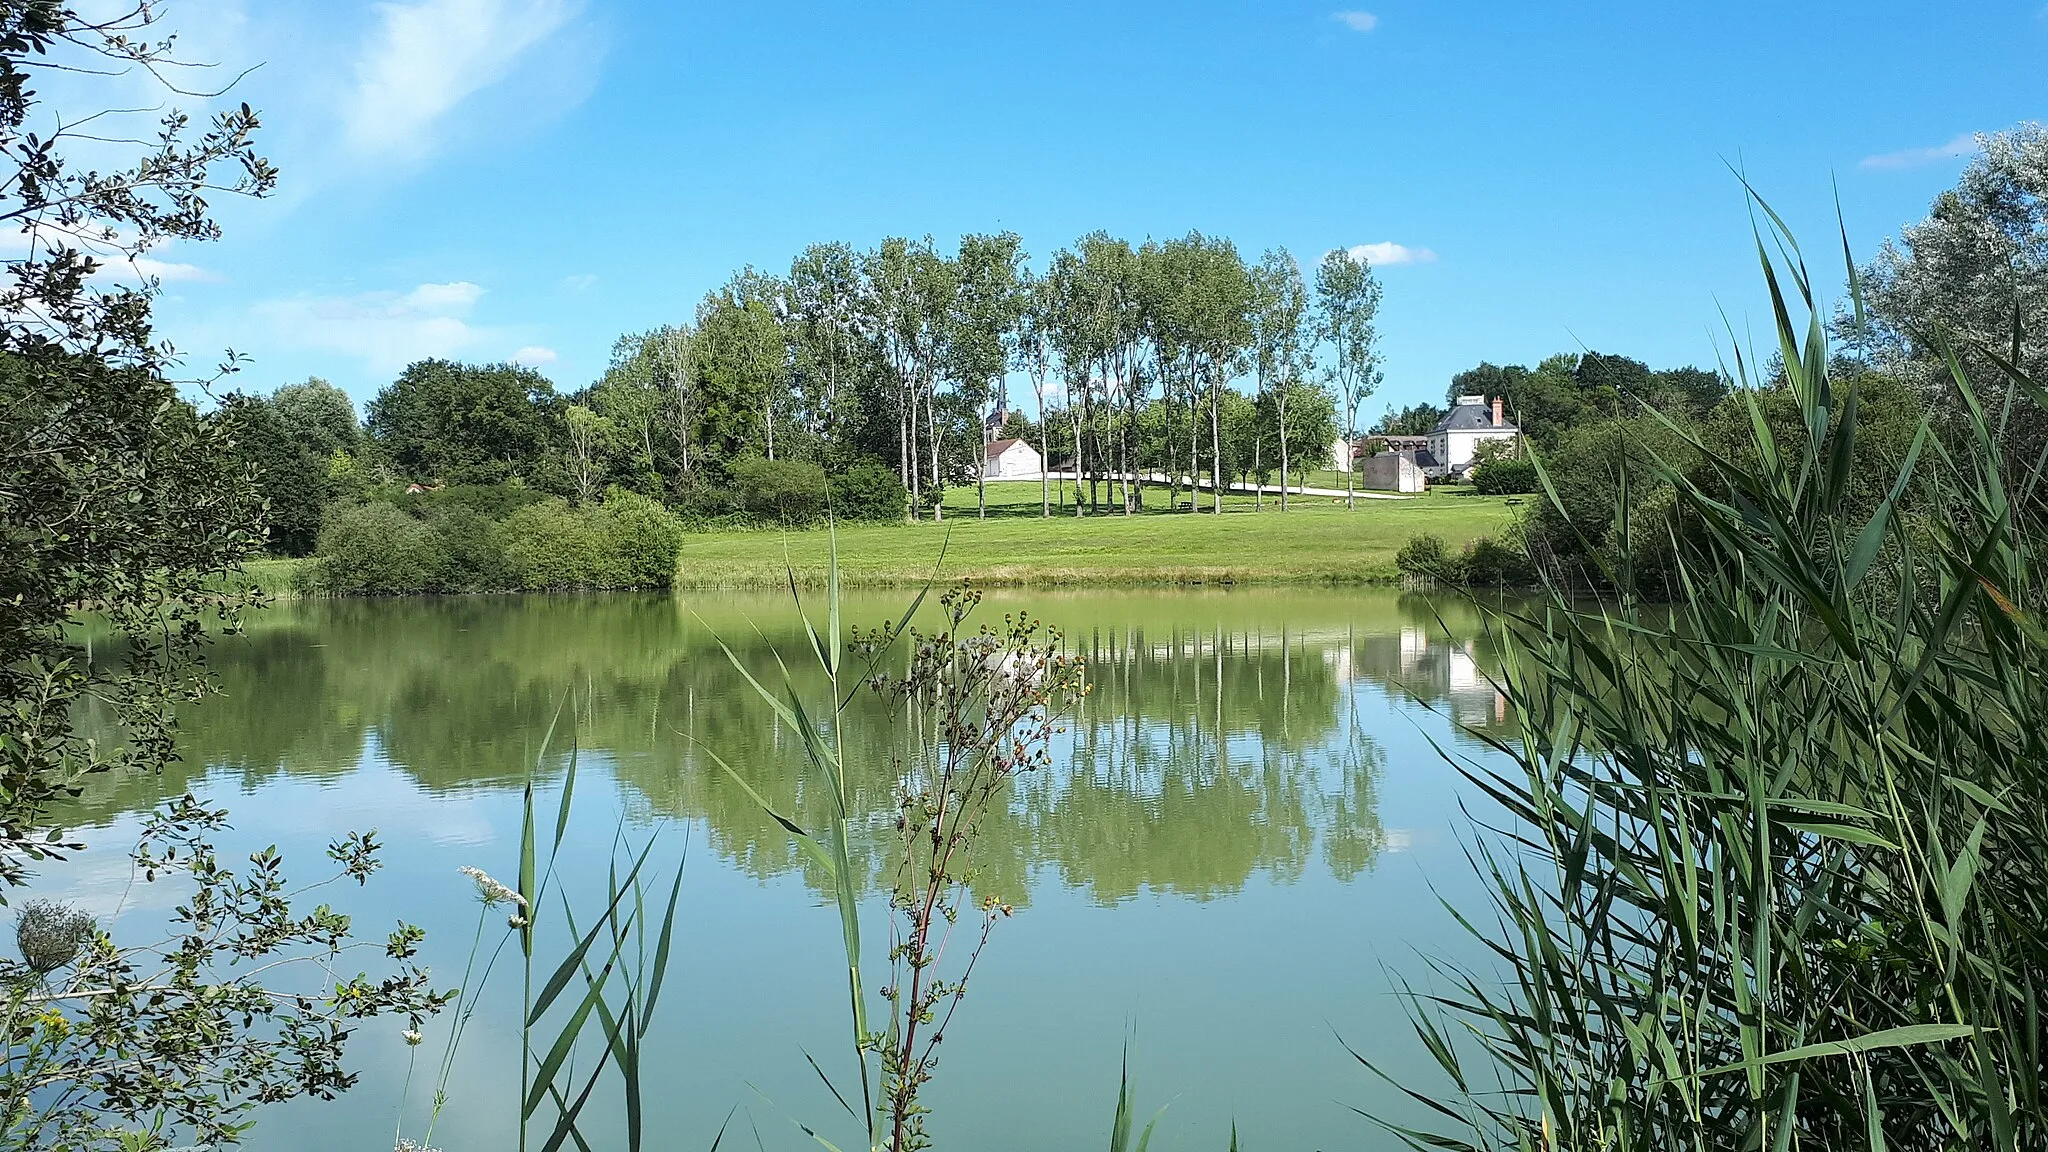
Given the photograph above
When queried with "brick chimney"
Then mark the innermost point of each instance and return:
(1497, 421)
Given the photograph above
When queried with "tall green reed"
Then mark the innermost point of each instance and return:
(608, 979)
(593, 1002)
(1771, 868)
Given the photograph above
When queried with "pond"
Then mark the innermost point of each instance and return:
(1239, 848)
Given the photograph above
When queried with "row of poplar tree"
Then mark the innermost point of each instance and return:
(1138, 358)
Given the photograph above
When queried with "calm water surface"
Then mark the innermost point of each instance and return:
(1246, 832)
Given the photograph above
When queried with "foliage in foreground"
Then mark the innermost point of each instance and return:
(119, 501)
(1772, 869)
(242, 1002)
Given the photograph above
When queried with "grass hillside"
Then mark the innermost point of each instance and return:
(1315, 542)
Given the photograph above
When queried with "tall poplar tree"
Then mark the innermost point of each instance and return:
(1347, 307)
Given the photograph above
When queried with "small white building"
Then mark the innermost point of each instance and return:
(1457, 437)
(1011, 460)
(1392, 472)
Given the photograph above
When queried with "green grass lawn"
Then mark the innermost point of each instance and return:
(1316, 542)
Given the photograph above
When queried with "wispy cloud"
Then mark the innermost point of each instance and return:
(580, 282)
(109, 247)
(1387, 252)
(1962, 145)
(1356, 21)
(428, 56)
(534, 356)
(386, 330)
(172, 271)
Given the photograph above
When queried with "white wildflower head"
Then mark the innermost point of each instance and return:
(490, 891)
(408, 1144)
(412, 1037)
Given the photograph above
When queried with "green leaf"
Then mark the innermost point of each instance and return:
(1911, 1035)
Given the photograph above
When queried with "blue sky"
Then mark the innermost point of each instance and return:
(498, 179)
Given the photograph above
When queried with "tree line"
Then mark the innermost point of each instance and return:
(1565, 391)
(904, 353)
(1159, 365)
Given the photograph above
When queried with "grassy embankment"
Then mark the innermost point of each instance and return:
(276, 577)
(1318, 541)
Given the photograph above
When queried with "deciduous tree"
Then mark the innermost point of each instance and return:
(1347, 313)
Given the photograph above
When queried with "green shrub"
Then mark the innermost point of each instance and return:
(492, 501)
(376, 550)
(551, 546)
(1505, 478)
(702, 505)
(1488, 563)
(869, 491)
(1425, 556)
(473, 556)
(640, 539)
(791, 492)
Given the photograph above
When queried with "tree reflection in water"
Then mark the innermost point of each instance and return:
(1222, 740)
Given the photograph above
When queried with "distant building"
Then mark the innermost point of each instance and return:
(1011, 460)
(1456, 438)
(1344, 453)
(1392, 472)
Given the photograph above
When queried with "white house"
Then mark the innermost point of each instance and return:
(1457, 437)
(1011, 460)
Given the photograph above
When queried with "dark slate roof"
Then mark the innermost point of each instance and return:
(1469, 418)
(1424, 458)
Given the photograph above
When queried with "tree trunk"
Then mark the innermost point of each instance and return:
(1077, 468)
(931, 417)
(916, 472)
(1044, 458)
(1350, 488)
(1283, 448)
(1123, 451)
(1216, 441)
(1258, 485)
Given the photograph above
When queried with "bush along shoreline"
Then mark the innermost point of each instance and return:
(512, 538)
(1425, 561)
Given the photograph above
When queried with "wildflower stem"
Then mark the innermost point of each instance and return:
(455, 1029)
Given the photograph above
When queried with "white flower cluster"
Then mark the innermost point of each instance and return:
(490, 891)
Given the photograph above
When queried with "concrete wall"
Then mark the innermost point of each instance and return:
(1390, 472)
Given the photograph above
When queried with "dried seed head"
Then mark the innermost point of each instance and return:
(50, 935)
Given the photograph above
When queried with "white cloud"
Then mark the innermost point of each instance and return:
(108, 246)
(1387, 252)
(1356, 21)
(387, 330)
(533, 356)
(173, 272)
(456, 296)
(1962, 145)
(428, 56)
(580, 282)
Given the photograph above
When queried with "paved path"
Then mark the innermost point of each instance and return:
(1234, 489)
